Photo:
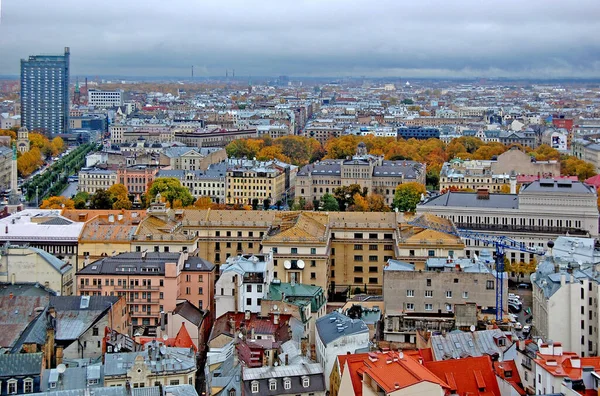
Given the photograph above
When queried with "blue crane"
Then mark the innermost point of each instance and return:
(499, 242)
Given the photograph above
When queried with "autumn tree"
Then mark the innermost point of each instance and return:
(268, 153)
(241, 148)
(57, 203)
(203, 203)
(29, 162)
(345, 194)
(407, 196)
(170, 189)
(573, 166)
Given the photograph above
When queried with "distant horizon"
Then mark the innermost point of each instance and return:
(326, 79)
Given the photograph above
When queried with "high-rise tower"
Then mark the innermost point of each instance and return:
(45, 93)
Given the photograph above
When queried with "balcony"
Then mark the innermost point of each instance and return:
(143, 301)
(90, 287)
(144, 314)
(520, 228)
(140, 288)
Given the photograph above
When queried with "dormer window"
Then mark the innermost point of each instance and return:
(272, 384)
(305, 381)
(287, 383)
(254, 386)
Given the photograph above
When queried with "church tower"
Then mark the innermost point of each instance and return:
(23, 140)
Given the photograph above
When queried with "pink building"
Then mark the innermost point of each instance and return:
(151, 282)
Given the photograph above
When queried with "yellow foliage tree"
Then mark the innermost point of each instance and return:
(57, 203)
(203, 203)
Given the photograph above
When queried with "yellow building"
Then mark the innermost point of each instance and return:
(252, 180)
(300, 245)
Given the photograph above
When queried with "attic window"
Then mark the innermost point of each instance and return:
(508, 374)
(305, 381)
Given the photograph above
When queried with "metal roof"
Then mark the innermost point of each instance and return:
(336, 325)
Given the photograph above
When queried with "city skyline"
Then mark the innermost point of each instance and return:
(537, 39)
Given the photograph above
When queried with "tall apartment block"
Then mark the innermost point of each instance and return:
(45, 93)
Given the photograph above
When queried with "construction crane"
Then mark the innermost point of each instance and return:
(499, 242)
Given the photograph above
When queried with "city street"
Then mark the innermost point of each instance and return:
(527, 299)
(70, 190)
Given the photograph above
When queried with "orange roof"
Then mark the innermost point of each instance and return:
(388, 370)
(468, 376)
(182, 340)
(560, 365)
(508, 366)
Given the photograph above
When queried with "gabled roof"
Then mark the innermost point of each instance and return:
(335, 325)
(393, 371)
(181, 340)
(299, 227)
(16, 312)
(20, 364)
(190, 312)
(468, 376)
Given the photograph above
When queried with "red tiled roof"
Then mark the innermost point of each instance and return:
(388, 370)
(468, 376)
(182, 340)
(259, 324)
(503, 368)
(593, 181)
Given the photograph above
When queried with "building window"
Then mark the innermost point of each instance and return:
(12, 387)
(294, 250)
(431, 253)
(305, 381)
(28, 385)
(428, 282)
(249, 288)
(94, 331)
(448, 293)
(428, 307)
(410, 306)
(248, 301)
(358, 258)
(231, 392)
(410, 293)
(489, 285)
(254, 386)
(373, 281)
(358, 235)
(448, 307)
(372, 247)
(429, 293)
(411, 253)
(373, 270)
(358, 280)
(358, 269)
(373, 259)
(313, 275)
(313, 250)
(259, 288)
(272, 384)
(287, 384)
(174, 382)
(465, 294)
(358, 247)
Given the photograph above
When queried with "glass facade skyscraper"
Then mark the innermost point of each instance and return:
(45, 93)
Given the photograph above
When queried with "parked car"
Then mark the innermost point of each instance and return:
(513, 308)
(524, 286)
(513, 295)
(517, 326)
(526, 329)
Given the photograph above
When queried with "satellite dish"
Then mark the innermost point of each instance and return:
(61, 368)
(287, 264)
(240, 335)
(401, 355)
(163, 350)
(275, 307)
(165, 337)
(472, 328)
(300, 264)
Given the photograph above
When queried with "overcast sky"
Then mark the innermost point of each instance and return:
(456, 38)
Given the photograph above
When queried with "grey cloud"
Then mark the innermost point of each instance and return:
(535, 38)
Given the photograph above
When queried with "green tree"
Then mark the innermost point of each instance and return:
(407, 196)
(170, 189)
(329, 203)
(101, 200)
(80, 199)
